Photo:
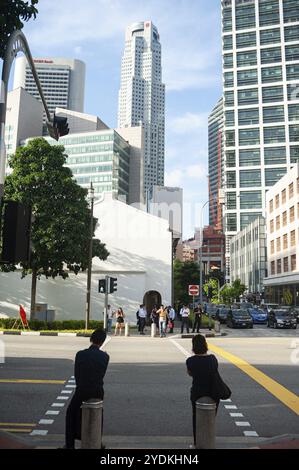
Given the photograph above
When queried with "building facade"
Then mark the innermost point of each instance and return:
(62, 81)
(216, 144)
(282, 284)
(142, 96)
(248, 253)
(261, 103)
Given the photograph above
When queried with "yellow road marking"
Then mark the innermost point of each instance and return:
(18, 424)
(29, 381)
(15, 430)
(290, 399)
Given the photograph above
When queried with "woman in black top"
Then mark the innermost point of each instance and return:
(201, 367)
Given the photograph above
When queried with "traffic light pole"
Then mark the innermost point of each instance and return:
(107, 279)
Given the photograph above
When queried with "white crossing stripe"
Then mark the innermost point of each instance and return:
(71, 381)
(228, 400)
(39, 432)
(242, 423)
(57, 404)
(66, 391)
(230, 407)
(52, 412)
(62, 398)
(237, 415)
(70, 386)
(250, 433)
(46, 421)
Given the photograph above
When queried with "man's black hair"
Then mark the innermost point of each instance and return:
(98, 336)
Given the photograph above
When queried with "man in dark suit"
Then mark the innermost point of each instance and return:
(90, 368)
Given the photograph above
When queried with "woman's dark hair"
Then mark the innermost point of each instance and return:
(199, 344)
(98, 336)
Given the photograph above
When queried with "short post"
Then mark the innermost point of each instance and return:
(127, 329)
(153, 330)
(205, 423)
(217, 326)
(91, 427)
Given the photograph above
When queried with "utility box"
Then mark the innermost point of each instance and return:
(50, 315)
(40, 312)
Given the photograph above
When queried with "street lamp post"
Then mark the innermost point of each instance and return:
(200, 250)
(87, 313)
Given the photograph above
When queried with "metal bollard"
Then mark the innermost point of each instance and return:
(205, 423)
(217, 326)
(153, 330)
(127, 329)
(91, 427)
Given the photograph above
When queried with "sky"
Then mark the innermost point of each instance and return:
(190, 35)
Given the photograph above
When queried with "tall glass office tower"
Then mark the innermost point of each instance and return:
(142, 96)
(261, 103)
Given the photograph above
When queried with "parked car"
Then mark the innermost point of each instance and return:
(295, 312)
(269, 307)
(282, 319)
(211, 310)
(242, 305)
(221, 314)
(258, 315)
(239, 318)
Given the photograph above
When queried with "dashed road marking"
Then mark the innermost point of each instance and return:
(39, 432)
(242, 423)
(236, 415)
(52, 412)
(251, 434)
(70, 386)
(62, 398)
(66, 391)
(57, 405)
(230, 407)
(46, 421)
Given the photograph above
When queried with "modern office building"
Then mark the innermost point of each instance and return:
(248, 256)
(261, 103)
(142, 96)
(282, 202)
(62, 81)
(24, 118)
(216, 176)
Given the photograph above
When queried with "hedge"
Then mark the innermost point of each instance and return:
(58, 325)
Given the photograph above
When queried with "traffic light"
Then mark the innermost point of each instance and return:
(112, 285)
(16, 233)
(58, 128)
(102, 286)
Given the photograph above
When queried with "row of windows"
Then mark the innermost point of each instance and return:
(269, 94)
(283, 220)
(282, 198)
(288, 240)
(252, 178)
(269, 55)
(272, 135)
(268, 74)
(245, 219)
(270, 114)
(252, 157)
(267, 36)
(286, 265)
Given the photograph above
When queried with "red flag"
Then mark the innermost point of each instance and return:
(23, 316)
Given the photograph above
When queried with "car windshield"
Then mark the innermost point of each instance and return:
(256, 311)
(223, 311)
(240, 313)
(283, 313)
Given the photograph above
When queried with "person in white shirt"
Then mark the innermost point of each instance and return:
(185, 313)
(171, 317)
(110, 314)
(142, 314)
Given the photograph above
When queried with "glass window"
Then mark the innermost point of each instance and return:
(269, 12)
(291, 190)
(293, 263)
(229, 118)
(249, 157)
(293, 72)
(230, 138)
(249, 136)
(248, 96)
(227, 19)
(292, 52)
(294, 133)
(273, 135)
(228, 61)
(285, 264)
(272, 267)
(229, 79)
(283, 196)
(248, 116)
(278, 222)
(246, 219)
(271, 74)
(231, 179)
(271, 206)
(278, 264)
(290, 11)
(231, 222)
(294, 150)
(250, 178)
(230, 158)
(291, 33)
(272, 226)
(272, 175)
(293, 112)
(271, 55)
(250, 200)
(276, 202)
(229, 98)
(278, 244)
(275, 155)
(272, 249)
(293, 92)
(273, 114)
(245, 16)
(273, 93)
(245, 59)
(284, 218)
(231, 201)
(269, 36)
(246, 40)
(247, 77)
(227, 42)
(292, 214)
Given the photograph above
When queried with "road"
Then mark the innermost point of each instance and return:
(147, 388)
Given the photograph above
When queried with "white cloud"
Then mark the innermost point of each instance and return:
(174, 178)
(189, 123)
(196, 171)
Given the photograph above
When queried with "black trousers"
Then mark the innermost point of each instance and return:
(73, 417)
(196, 324)
(185, 322)
(141, 324)
(194, 418)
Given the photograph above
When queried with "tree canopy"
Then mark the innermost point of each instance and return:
(12, 15)
(185, 274)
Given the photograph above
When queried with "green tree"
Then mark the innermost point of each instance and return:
(214, 284)
(184, 274)
(61, 217)
(230, 294)
(12, 15)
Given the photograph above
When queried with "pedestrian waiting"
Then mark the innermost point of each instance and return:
(120, 321)
(162, 312)
(197, 318)
(185, 314)
(171, 317)
(141, 315)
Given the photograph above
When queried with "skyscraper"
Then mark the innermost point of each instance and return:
(142, 96)
(62, 81)
(261, 102)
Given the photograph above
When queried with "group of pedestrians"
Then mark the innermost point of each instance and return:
(162, 317)
(185, 316)
(120, 320)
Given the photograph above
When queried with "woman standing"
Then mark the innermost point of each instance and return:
(119, 321)
(162, 312)
(201, 367)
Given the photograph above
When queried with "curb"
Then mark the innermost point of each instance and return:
(42, 333)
